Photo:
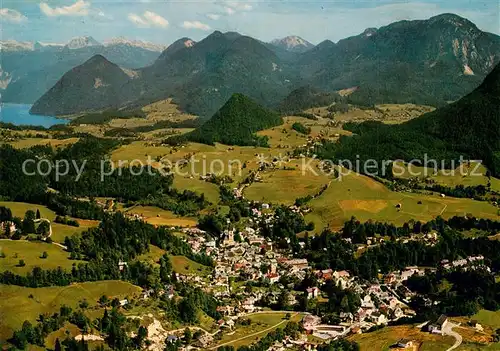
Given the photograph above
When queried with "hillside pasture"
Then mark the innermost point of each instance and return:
(54, 143)
(19, 303)
(30, 252)
(466, 174)
(210, 190)
(381, 340)
(59, 231)
(184, 265)
(262, 324)
(366, 199)
(157, 216)
(285, 186)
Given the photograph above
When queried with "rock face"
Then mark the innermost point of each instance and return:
(428, 62)
(175, 47)
(293, 43)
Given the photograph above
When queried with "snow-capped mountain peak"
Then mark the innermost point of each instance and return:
(13, 45)
(135, 43)
(293, 43)
(82, 42)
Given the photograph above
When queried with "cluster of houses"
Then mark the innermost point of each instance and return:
(471, 262)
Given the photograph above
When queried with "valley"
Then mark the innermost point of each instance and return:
(228, 193)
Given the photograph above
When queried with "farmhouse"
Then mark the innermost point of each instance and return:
(438, 326)
(404, 344)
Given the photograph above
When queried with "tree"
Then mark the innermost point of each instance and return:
(141, 336)
(29, 222)
(188, 336)
(44, 255)
(43, 228)
(21, 263)
(38, 216)
(57, 346)
(188, 310)
(103, 300)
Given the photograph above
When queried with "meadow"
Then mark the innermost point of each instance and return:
(59, 231)
(55, 143)
(261, 325)
(364, 198)
(157, 216)
(466, 174)
(180, 264)
(381, 340)
(285, 186)
(31, 252)
(19, 303)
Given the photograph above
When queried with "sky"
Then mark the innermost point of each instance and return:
(164, 21)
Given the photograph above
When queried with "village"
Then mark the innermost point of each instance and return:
(250, 276)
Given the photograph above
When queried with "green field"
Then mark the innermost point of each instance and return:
(153, 256)
(382, 339)
(184, 265)
(55, 143)
(262, 324)
(365, 198)
(210, 190)
(30, 252)
(59, 231)
(488, 318)
(19, 303)
(285, 186)
(19, 209)
(157, 216)
(466, 174)
(180, 264)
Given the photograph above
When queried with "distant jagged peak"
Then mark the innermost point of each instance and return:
(369, 32)
(14, 45)
(135, 43)
(82, 42)
(293, 43)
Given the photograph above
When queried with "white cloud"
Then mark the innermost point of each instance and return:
(239, 6)
(213, 16)
(195, 25)
(148, 19)
(137, 20)
(229, 10)
(10, 15)
(79, 8)
(155, 19)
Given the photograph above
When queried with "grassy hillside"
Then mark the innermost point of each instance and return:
(475, 133)
(235, 124)
(19, 303)
(306, 97)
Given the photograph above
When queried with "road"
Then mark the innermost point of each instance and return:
(448, 330)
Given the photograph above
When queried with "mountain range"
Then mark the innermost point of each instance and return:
(432, 62)
(28, 70)
(468, 128)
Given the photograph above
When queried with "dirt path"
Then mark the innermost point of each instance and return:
(448, 330)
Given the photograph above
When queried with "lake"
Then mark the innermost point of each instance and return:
(20, 115)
